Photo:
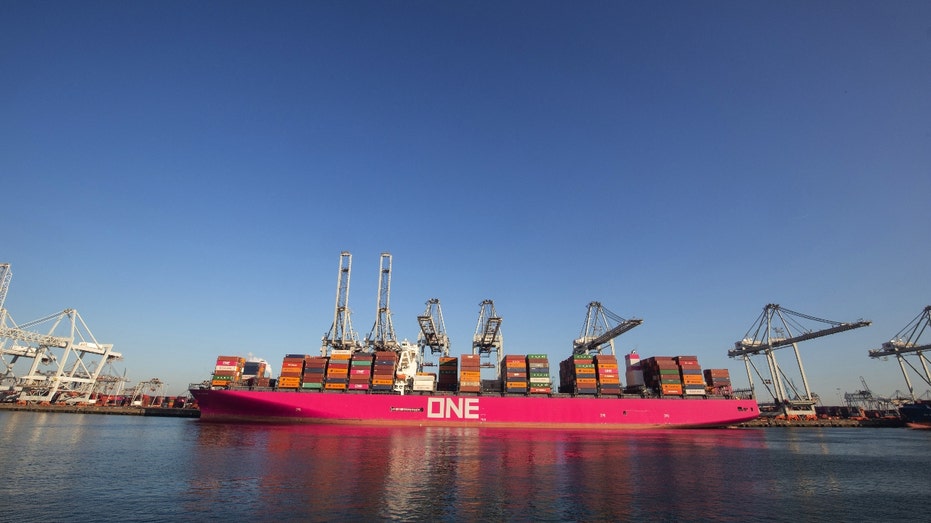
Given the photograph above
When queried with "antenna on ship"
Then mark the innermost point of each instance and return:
(341, 335)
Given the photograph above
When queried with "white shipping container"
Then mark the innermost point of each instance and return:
(226, 368)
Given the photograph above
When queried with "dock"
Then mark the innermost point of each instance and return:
(162, 412)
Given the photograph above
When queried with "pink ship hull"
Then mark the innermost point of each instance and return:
(472, 411)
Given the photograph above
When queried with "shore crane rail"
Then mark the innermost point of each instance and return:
(596, 333)
(906, 342)
(341, 334)
(62, 364)
(433, 329)
(776, 328)
(488, 338)
(382, 336)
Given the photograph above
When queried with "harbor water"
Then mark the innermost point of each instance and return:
(81, 467)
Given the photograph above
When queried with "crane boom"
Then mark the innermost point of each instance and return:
(433, 329)
(596, 332)
(906, 342)
(751, 347)
(762, 341)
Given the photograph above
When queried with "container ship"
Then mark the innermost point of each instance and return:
(916, 415)
(388, 388)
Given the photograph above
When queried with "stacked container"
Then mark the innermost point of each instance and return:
(693, 383)
(337, 371)
(662, 374)
(425, 382)
(718, 381)
(292, 370)
(585, 374)
(577, 375)
(470, 373)
(538, 367)
(449, 370)
(360, 371)
(314, 372)
(515, 377)
(227, 371)
(634, 373)
(383, 371)
(253, 369)
(609, 382)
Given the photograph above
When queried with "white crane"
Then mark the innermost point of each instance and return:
(341, 335)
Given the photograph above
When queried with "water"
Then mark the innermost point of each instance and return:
(73, 467)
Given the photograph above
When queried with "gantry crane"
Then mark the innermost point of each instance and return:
(487, 338)
(382, 336)
(432, 331)
(907, 342)
(341, 335)
(6, 372)
(6, 274)
(596, 333)
(66, 360)
(774, 330)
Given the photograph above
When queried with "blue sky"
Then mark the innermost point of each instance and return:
(185, 174)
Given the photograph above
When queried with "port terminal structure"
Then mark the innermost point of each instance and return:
(907, 342)
(65, 361)
(599, 330)
(777, 328)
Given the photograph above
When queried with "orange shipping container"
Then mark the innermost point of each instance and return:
(671, 389)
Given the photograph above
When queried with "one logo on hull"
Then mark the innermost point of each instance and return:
(452, 408)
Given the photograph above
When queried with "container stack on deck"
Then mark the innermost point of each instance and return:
(634, 373)
(609, 382)
(577, 375)
(424, 382)
(383, 371)
(314, 372)
(449, 370)
(470, 373)
(661, 373)
(515, 377)
(227, 371)
(337, 372)
(360, 371)
(292, 369)
(538, 367)
(718, 381)
(253, 372)
(693, 383)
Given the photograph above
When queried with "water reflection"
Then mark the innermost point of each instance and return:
(330, 472)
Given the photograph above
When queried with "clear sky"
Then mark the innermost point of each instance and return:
(186, 174)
